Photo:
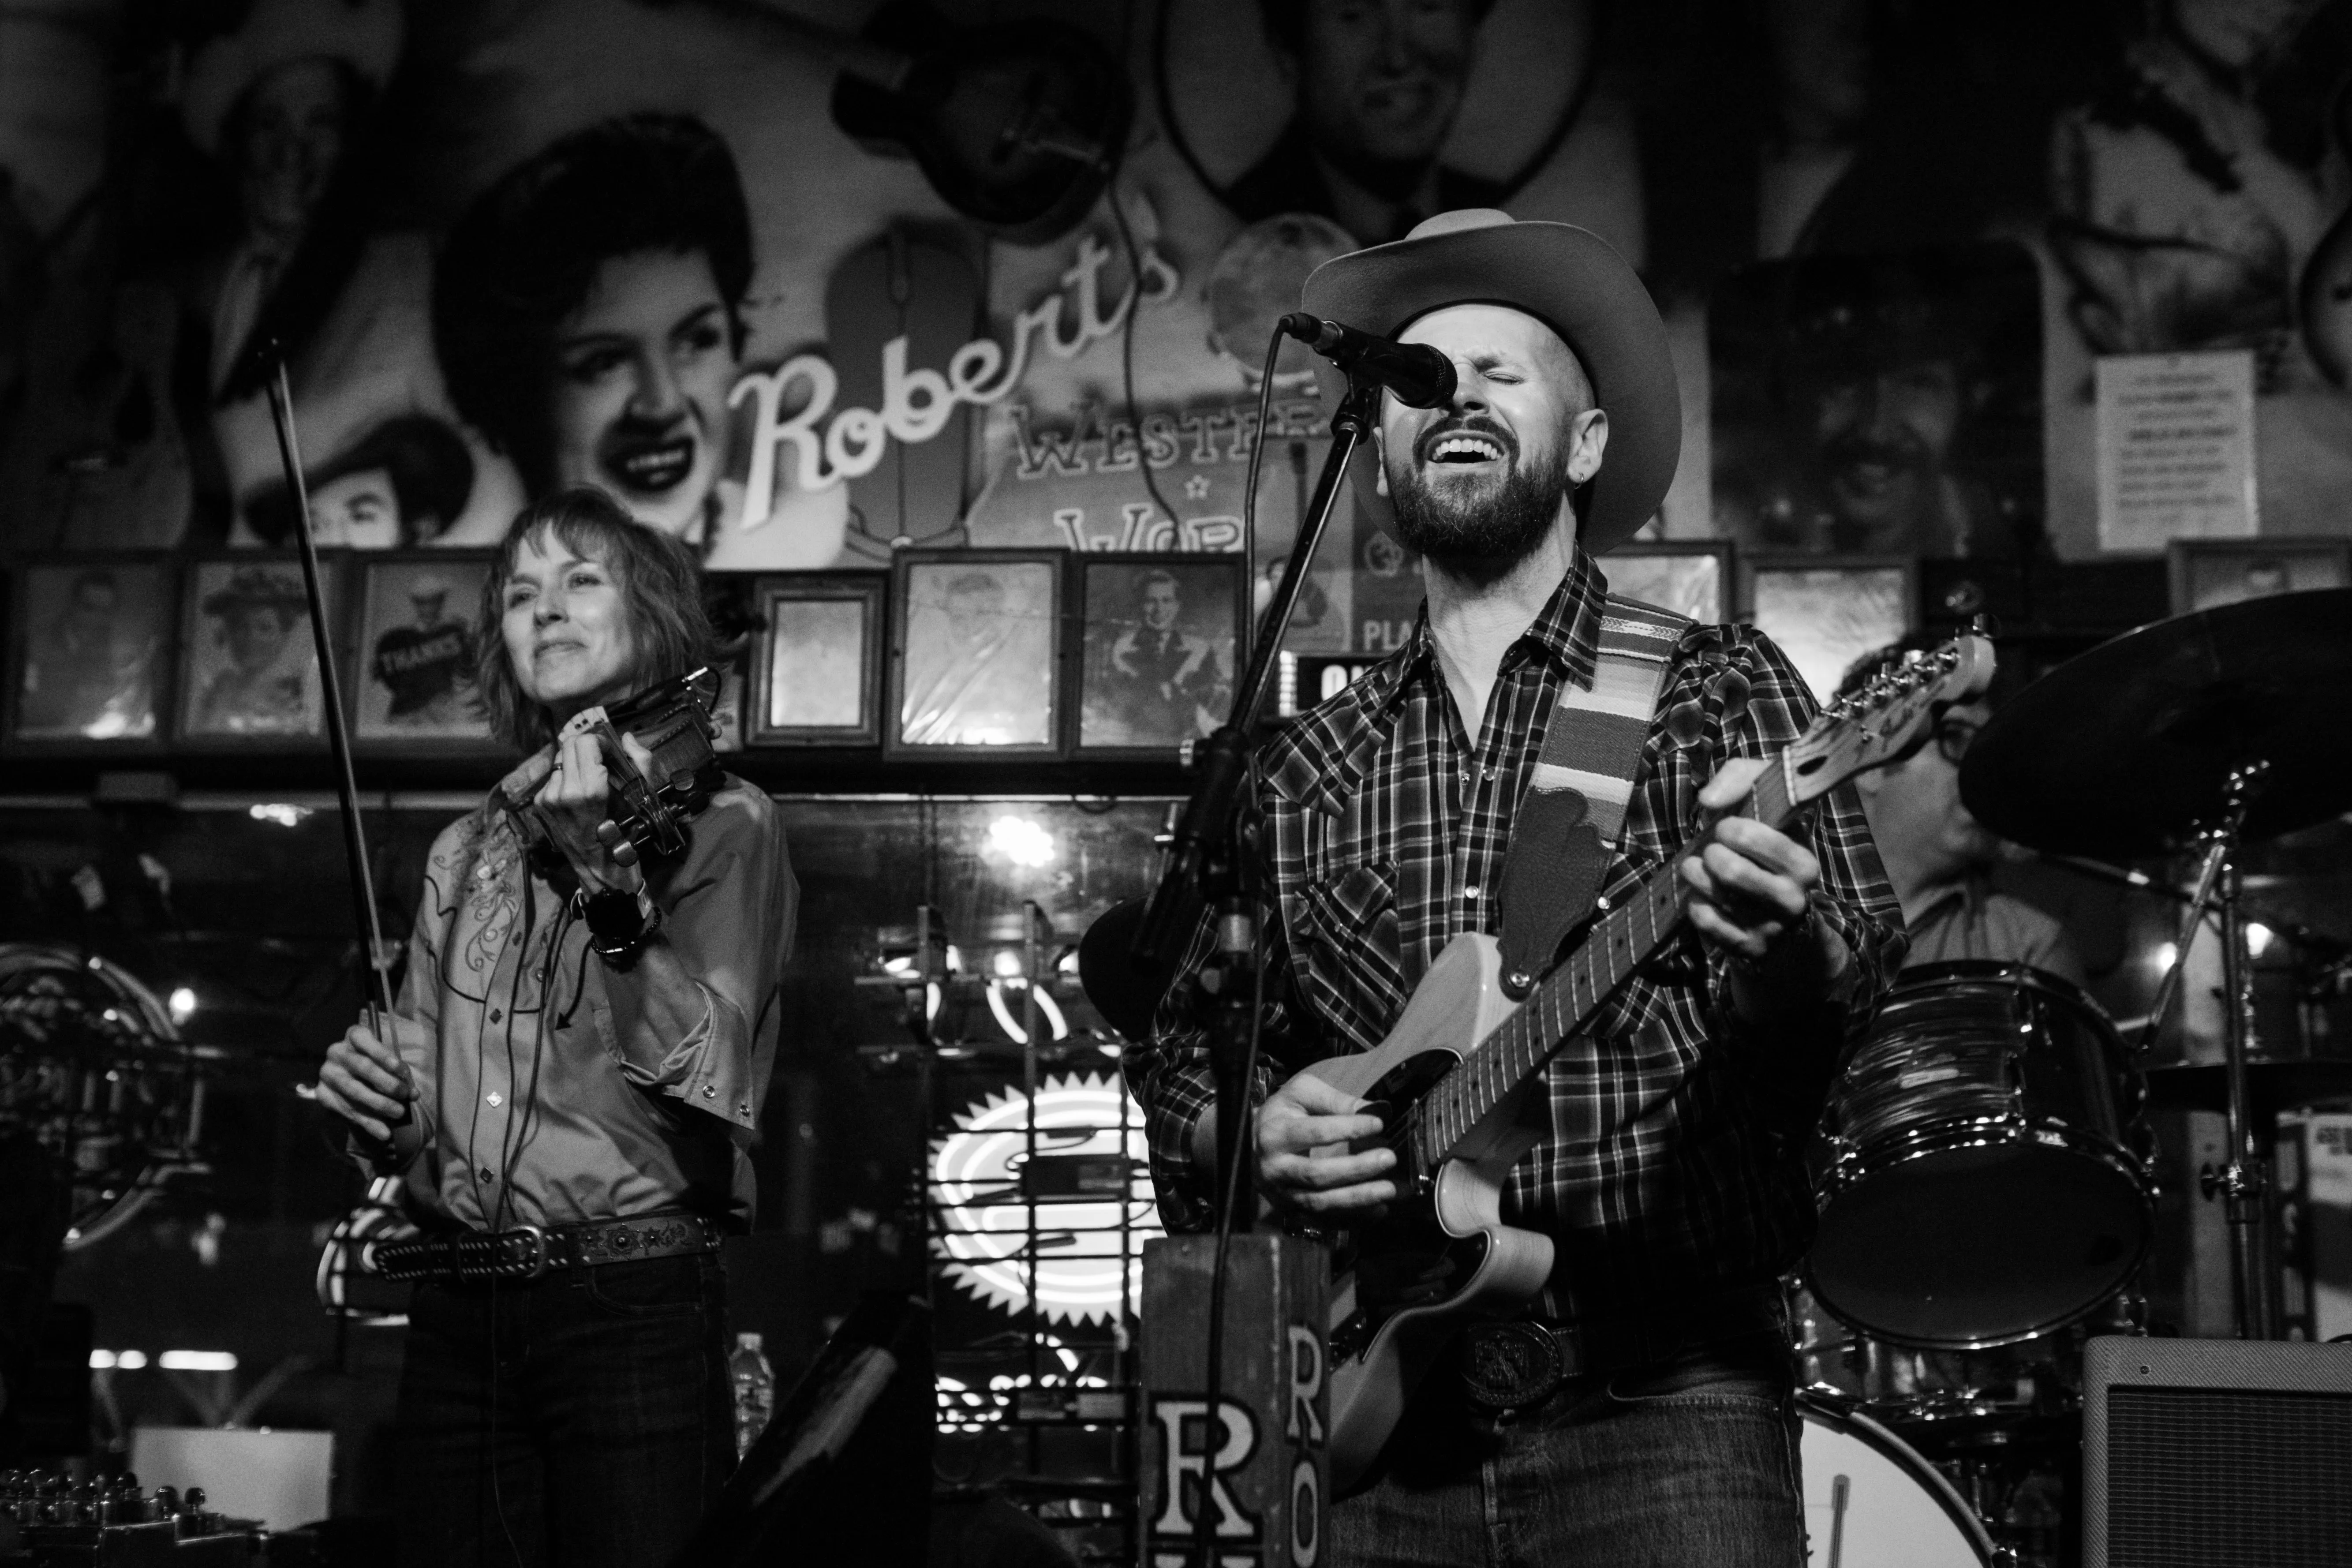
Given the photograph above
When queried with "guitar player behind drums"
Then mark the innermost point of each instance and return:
(1938, 858)
(579, 1052)
(1639, 1408)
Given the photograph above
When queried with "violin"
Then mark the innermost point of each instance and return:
(650, 806)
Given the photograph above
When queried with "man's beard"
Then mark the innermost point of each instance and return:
(1494, 525)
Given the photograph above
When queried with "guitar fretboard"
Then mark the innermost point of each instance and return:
(1563, 1003)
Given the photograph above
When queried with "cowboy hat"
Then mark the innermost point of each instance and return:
(1567, 277)
(364, 35)
(261, 585)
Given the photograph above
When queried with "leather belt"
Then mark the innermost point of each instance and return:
(529, 1251)
(1514, 1364)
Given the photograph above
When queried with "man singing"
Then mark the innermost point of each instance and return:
(578, 1057)
(1655, 1427)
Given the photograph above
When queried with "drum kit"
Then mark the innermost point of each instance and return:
(1986, 1171)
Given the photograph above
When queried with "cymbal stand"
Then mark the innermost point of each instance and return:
(2242, 1182)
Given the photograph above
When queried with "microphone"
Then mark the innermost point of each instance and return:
(1418, 375)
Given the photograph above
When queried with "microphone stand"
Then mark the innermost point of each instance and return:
(1205, 865)
(1208, 865)
(376, 990)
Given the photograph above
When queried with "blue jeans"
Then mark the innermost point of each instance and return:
(604, 1431)
(1692, 1464)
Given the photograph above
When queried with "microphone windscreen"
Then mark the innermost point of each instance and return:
(1124, 990)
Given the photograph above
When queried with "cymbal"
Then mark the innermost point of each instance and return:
(2120, 754)
(2273, 1086)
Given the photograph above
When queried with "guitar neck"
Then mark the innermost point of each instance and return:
(1563, 1003)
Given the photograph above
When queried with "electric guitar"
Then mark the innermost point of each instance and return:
(1453, 1080)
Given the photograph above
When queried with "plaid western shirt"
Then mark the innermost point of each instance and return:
(1673, 1166)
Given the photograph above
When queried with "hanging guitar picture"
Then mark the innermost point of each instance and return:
(1017, 125)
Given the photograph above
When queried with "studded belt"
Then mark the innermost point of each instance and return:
(529, 1251)
(1514, 1364)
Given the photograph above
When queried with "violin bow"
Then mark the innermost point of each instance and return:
(378, 988)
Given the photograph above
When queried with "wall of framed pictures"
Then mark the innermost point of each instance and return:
(1034, 655)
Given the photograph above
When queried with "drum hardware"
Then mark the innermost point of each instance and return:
(2218, 728)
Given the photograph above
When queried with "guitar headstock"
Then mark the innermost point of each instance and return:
(1889, 719)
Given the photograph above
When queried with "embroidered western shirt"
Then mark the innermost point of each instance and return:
(537, 1102)
(1673, 1167)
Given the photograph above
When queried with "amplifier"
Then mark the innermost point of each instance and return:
(2198, 1452)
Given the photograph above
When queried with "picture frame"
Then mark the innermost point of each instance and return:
(247, 670)
(1827, 611)
(91, 650)
(1694, 577)
(2206, 574)
(408, 670)
(1157, 653)
(976, 654)
(817, 662)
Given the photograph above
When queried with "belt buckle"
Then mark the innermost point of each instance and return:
(538, 1248)
(1511, 1365)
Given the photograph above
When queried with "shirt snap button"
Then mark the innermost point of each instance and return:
(496, 1099)
(709, 1092)
(494, 1014)
(1471, 891)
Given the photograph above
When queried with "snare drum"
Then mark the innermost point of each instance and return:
(1980, 1180)
(1871, 1501)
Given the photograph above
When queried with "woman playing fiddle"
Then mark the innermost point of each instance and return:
(577, 1059)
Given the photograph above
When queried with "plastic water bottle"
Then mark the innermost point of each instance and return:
(755, 1390)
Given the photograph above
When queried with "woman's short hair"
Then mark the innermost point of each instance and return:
(660, 584)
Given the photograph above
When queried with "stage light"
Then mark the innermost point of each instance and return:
(1022, 840)
(1007, 963)
(131, 1360)
(101, 1360)
(2259, 938)
(282, 813)
(197, 1360)
(182, 1005)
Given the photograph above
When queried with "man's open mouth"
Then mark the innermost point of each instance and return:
(1464, 448)
(652, 468)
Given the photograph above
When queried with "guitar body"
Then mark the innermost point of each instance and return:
(1444, 1255)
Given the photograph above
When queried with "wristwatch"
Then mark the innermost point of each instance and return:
(619, 923)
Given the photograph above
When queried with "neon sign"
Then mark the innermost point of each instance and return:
(984, 1220)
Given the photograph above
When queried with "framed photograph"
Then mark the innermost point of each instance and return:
(2209, 572)
(248, 672)
(93, 639)
(1157, 661)
(1689, 576)
(1826, 612)
(410, 673)
(817, 660)
(975, 656)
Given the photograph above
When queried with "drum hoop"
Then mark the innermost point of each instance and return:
(1853, 1163)
(1839, 1417)
(1935, 976)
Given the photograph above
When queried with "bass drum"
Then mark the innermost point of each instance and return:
(1871, 1501)
(1982, 1166)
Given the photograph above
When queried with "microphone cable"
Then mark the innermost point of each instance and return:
(1228, 1175)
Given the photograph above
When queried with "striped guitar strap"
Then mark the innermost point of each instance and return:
(1572, 818)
